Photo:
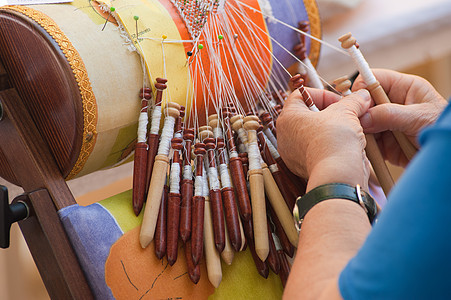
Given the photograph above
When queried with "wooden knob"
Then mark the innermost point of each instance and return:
(161, 83)
(251, 125)
(251, 118)
(342, 84)
(297, 81)
(173, 105)
(177, 143)
(199, 149)
(237, 122)
(146, 93)
(212, 117)
(205, 134)
(347, 40)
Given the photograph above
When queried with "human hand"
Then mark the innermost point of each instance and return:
(415, 105)
(326, 146)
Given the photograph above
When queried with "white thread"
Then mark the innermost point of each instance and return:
(217, 131)
(270, 136)
(233, 154)
(174, 186)
(276, 242)
(213, 178)
(243, 136)
(362, 65)
(272, 149)
(313, 75)
(273, 168)
(225, 176)
(142, 127)
(198, 186)
(242, 148)
(155, 123)
(166, 136)
(205, 190)
(187, 172)
(254, 156)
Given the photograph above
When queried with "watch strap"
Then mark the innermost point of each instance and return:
(333, 191)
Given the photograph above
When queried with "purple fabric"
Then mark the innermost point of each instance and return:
(92, 231)
(290, 12)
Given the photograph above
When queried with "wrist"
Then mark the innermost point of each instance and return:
(349, 168)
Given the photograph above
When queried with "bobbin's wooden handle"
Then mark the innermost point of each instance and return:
(261, 265)
(377, 161)
(197, 229)
(187, 191)
(228, 253)
(295, 184)
(160, 230)
(193, 270)
(139, 177)
(280, 207)
(172, 232)
(232, 218)
(153, 200)
(217, 215)
(257, 188)
(380, 97)
(212, 257)
(373, 153)
(152, 141)
(239, 182)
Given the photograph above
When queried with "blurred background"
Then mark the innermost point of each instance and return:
(411, 36)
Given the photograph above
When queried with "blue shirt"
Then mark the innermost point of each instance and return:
(407, 255)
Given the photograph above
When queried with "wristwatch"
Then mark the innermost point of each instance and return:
(333, 191)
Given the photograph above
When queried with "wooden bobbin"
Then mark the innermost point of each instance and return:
(343, 85)
(373, 153)
(153, 138)
(187, 188)
(212, 257)
(160, 227)
(230, 206)
(140, 160)
(267, 121)
(380, 97)
(279, 205)
(257, 188)
(216, 203)
(174, 204)
(237, 125)
(236, 170)
(198, 211)
(156, 188)
(193, 270)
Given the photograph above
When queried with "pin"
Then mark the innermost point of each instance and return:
(107, 19)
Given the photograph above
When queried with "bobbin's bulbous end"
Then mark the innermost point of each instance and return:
(347, 40)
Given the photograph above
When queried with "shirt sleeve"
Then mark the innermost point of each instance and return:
(407, 255)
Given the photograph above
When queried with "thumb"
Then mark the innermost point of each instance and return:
(389, 116)
(358, 102)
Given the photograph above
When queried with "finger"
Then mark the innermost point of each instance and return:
(358, 102)
(323, 98)
(390, 116)
(294, 101)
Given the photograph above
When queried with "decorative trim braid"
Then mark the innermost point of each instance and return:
(81, 76)
(315, 29)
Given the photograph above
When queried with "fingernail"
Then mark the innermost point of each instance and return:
(366, 121)
(364, 94)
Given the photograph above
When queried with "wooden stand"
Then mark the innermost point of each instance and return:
(26, 158)
(39, 142)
